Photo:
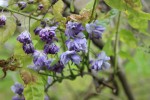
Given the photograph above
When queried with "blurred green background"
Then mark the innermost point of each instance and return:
(136, 68)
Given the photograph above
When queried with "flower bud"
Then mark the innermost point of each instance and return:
(51, 48)
(37, 30)
(28, 48)
(2, 20)
(40, 7)
(24, 37)
(17, 88)
(22, 5)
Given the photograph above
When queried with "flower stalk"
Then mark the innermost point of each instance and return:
(116, 44)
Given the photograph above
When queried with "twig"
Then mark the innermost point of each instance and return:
(20, 13)
(94, 6)
(116, 44)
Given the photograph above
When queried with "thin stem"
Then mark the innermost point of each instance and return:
(63, 39)
(29, 23)
(46, 11)
(89, 41)
(71, 72)
(88, 54)
(116, 44)
(45, 74)
(93, 10)
(20, 13)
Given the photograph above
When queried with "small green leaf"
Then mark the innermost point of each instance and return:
(21, 56)
(8, 30)
(125, 55)
(128, 38)
(118, 4)
(58, 9)
(108, 48)
(72, 6)
(55, 61)
(89, 5)
(32, 28)
(39, 44)
(30, 8)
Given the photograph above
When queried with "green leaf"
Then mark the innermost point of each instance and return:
(128, 38)
(133, 9)
(86, 13)
(55, 61)
(118, 4)
(34, 89)
(138, 20)
(108, 48)
(30, 8)
(58, 9)
(72, 6)
(24, 59)
(89, 5)
(32, 28)
(112, 13)
(39, 44)
(125, 55)
(8, 30)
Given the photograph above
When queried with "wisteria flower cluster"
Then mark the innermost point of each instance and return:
(47, 34)
(76, 42)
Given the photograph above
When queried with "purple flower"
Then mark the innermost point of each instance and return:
(18, 97)
(24, 37)
(22, 5)
(101, 62)
(28, 48)
(17, 88)
(77, 44)
(95, 31)
(40, 7)
(2, 20)
(74, 30)
(58, 67)
(46, 98)
(48, 63)
(51, 48)
(37, 30)
(39, 58)
(70, 55)
(47, 34)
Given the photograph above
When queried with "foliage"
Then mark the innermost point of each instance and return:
(61, 44)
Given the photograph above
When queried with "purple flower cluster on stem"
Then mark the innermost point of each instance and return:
(40, 58)
(76, 42)
(48, 35)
